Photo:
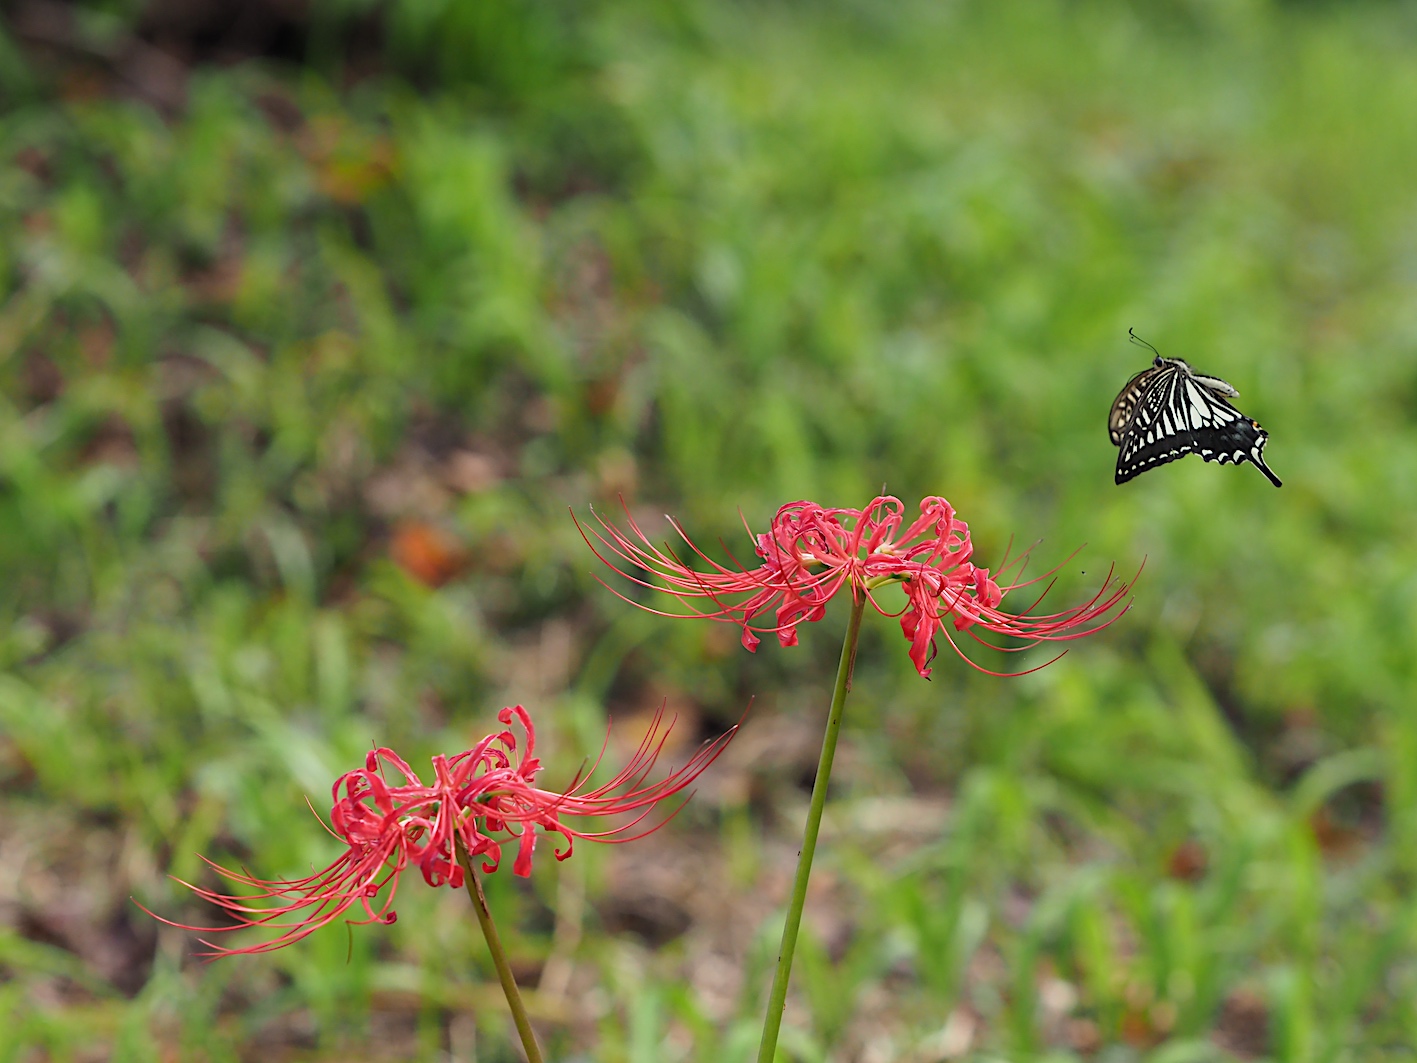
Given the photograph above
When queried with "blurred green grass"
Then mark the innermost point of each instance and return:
(268, 361)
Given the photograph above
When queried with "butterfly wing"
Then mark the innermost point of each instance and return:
(1179, 415)
(1222, 389)
(1125, 404)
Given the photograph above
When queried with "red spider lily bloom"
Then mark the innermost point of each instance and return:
(484, 796)
(809, 553)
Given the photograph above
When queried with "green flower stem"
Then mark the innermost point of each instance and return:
(777, 999)
(499, 955)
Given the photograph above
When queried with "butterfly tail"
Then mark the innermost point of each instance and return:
(1258, 459)
(1257, 453)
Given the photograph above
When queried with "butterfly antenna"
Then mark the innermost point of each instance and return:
(1142, 343)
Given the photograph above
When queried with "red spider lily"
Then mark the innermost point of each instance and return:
(809, 553)
(483, 797)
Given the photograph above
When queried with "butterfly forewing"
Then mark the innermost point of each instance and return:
(1168, 411)
(1220, 387)
(1125, 404)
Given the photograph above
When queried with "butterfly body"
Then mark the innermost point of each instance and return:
(1168, 410)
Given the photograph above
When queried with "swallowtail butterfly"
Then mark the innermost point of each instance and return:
(1169, 410)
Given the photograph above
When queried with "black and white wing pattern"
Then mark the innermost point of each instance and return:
(1168, 411)
(1125, 404)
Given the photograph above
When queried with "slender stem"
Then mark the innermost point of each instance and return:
(499, 955)
(777, 999)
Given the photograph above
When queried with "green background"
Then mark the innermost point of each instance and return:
(305, 359)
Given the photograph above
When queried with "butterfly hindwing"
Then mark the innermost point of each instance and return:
(1171, 411)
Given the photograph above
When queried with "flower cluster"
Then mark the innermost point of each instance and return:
(483, 798)
(810, 553)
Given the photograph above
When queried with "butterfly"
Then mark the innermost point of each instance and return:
(1168, 410)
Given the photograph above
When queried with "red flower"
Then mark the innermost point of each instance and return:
(810, 553)
(484, 796)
